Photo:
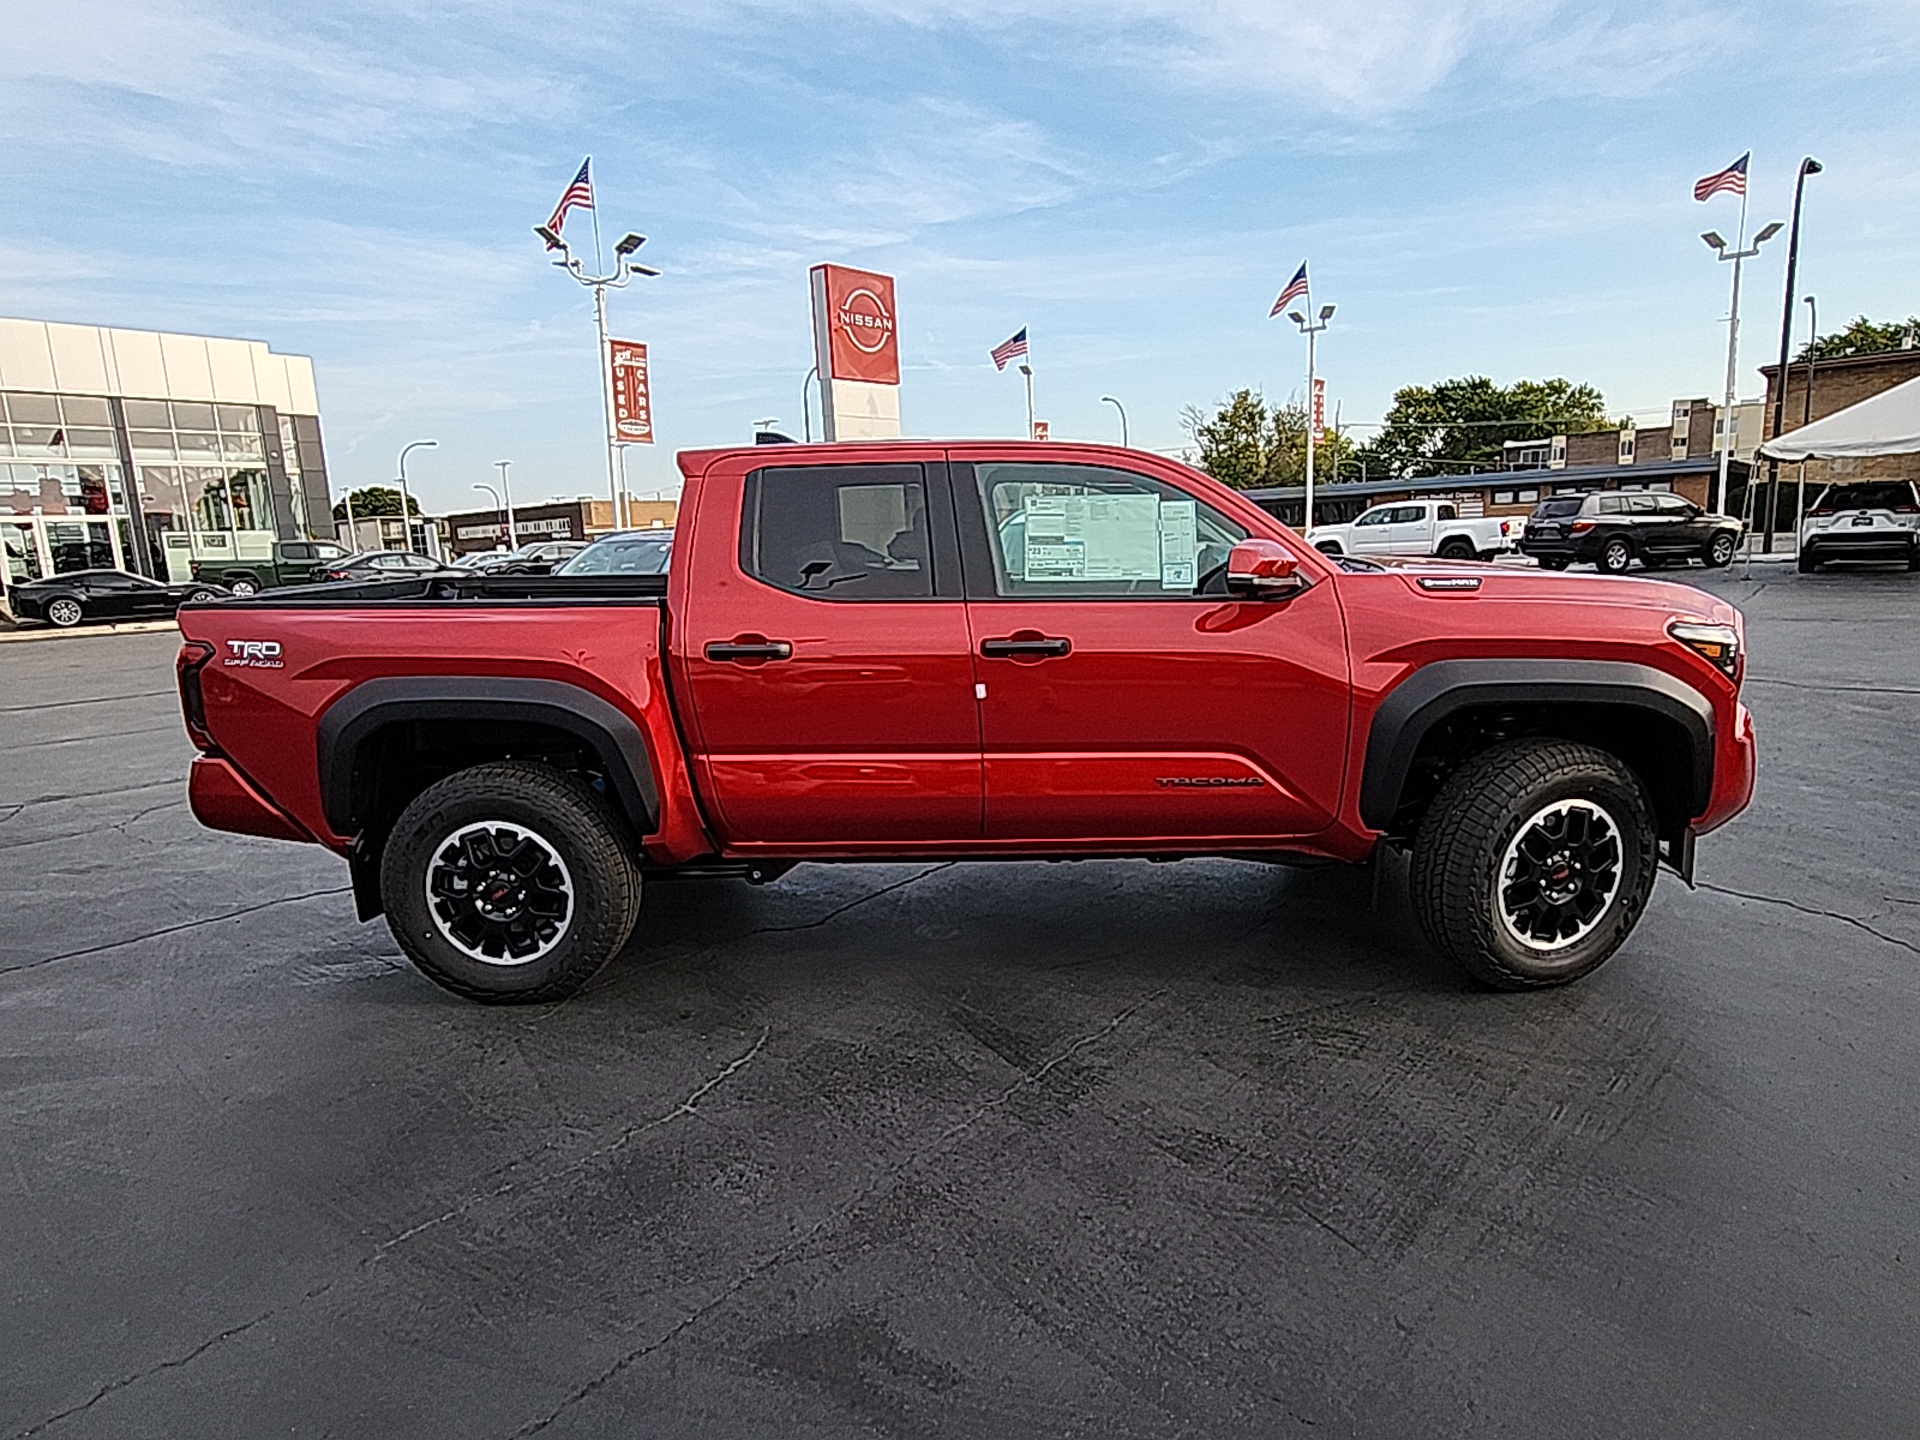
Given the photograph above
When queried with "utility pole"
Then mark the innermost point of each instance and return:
(1109, 400)
(1738, 255)
(1027, 370)
(1808, 166)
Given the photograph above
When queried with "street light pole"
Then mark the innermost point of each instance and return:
(1027, 370)
(482, 485)
(1739, 255)
(625, 267)
(506, 491)
(1806, 413)
(1109, 400)
(406, 496)
(1808, 166)
(1312, 332)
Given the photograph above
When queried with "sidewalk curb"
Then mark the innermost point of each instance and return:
(48, 632)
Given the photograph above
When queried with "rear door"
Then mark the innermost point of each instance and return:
(1126, 696)
(826, 657)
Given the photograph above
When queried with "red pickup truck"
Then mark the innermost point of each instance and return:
(909, 651)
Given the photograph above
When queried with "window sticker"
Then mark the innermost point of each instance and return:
(1179, 543)
(1110, 537)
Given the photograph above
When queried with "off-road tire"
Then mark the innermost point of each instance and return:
(1806, 564)
(1456, 550)
(1616, 557)
(244, 587)
(1329, 547)
(1461, 844)
(568, 817)
(1712, 555)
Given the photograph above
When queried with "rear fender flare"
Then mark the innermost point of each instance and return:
(611, 735)
(1445, 687)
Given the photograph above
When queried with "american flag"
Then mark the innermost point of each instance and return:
(1296, 287)
(580, 192)
(1732, 179)
(1011, 348)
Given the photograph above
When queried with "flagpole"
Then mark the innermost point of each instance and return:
(1313, 339)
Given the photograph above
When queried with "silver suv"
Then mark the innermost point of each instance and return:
(1862, 520)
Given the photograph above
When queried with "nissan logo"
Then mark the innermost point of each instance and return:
(863, 315)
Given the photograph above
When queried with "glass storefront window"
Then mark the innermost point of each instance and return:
(23, 556)
(147, 415)
(34, 410)
(207, 486)
(239, 419)
(192, 417)
(241, 447)
(90, 441)
(252, 503)
(155, 443)
(86, 410)
(79, 545)
(196, 447)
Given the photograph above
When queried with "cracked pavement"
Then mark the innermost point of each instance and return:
(1105, 1149)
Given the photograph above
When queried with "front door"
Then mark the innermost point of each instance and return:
(1127, 697)
(825, 653)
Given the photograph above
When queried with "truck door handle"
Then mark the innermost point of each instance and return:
(748, 648)
(1014, 646)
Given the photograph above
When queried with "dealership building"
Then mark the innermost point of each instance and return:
(145, 451)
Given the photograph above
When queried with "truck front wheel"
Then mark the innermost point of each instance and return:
(243, 586)
(1535, 862)
(509, 883)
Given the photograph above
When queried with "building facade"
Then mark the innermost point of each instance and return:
(582, 519)
(144, 451)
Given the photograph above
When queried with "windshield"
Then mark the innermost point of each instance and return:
(621, 555)
(1558, 509)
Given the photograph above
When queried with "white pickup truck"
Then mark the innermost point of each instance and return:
(1419, 527)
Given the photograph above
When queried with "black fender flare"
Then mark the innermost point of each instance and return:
(374, 704)
(1435, 691)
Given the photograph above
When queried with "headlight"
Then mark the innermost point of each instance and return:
(1719, 644)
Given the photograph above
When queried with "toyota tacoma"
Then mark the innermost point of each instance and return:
(1005, 651)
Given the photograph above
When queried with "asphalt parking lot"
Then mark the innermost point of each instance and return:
(1104, 1149)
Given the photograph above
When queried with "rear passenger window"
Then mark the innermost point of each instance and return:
(1612, 505)
(294, 551)
(839, 532)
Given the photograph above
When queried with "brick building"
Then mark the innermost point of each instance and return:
(1836, 384)
(582, 519)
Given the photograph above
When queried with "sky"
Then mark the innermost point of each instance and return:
(1480, 186)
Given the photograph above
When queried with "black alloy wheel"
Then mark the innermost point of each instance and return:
(1534, 862)
(510, 883)
(1457, 549)
(1616, 556)
(1720, 551)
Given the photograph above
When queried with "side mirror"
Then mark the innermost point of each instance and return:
(1263, 570)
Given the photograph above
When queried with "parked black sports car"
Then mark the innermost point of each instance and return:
(66, 600)
(1611, 529)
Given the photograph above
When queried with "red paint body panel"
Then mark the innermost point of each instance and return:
(221, 799)
(870, 740)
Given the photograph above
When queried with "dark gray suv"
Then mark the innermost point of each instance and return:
(1612, 528)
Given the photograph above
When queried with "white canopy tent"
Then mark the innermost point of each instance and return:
(1883, 424)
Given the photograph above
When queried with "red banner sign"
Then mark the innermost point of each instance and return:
(1319, 409)
(856, 307)
(632, 405)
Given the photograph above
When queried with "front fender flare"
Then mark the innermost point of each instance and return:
(1435, 691)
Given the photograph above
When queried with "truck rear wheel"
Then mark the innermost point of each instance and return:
(1535, 862)
(509, 883)
(1458, 548)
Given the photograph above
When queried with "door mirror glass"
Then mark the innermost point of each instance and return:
(1263, 570)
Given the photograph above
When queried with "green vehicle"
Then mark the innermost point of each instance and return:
(294, 562)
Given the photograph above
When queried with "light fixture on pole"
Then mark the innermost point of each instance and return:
(625, 267)
(1027, 370)
(1312, 332)
(1806, 412)
(506, 496)
(482, 485)
(1808, 166)
(1739, 254)
(1109, 400)
(406, 496)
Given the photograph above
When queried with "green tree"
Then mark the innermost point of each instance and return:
(1247, 443)
(1455, 426)
(375, 500)
(1863, 337)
